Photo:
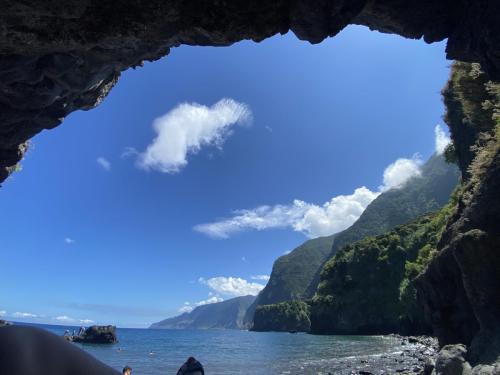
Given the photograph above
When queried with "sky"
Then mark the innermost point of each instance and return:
(201, 169)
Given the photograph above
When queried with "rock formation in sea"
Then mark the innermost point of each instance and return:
(96, 335)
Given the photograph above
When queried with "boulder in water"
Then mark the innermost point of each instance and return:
(97, 335)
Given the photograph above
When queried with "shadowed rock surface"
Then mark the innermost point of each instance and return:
(97, 335)
(460, 289)
(60, 56)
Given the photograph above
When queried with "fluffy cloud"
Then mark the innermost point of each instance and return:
(69, 241)
(232, 286)
(86, 321)
(3, 312)
(397, 174)
(312, 220)
(261, 277)
(104, 163)
(188, 307)
(24, 315)
(336, 215)
(320, 220)
(185, 309)
(441, 139)
(186, 129)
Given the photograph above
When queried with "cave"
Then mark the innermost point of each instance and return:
(62, 56)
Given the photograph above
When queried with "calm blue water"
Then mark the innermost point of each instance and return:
(227, 352)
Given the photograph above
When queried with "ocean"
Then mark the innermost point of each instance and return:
(225, 352)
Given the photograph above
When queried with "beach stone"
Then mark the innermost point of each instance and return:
(429, 366)
(451, 361)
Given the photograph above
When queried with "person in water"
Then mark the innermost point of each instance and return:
(127, 370)
(191, 367)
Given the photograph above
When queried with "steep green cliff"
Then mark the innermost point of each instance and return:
(296, 275)
(459, 289)
(368, 287)
(472, 111)
(293, 274)
(284, 316)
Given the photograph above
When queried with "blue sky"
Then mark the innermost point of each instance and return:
(113, 222)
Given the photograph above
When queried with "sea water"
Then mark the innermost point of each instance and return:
(225, 352)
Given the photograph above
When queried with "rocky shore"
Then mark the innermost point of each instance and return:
(417, 356)
(412, 355)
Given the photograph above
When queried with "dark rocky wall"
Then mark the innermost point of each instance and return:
(461, 287)
(58, 56)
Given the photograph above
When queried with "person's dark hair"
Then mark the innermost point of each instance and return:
(191, 360)
(126, 368)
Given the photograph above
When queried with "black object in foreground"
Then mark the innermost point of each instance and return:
(34, 351)
(191, 367)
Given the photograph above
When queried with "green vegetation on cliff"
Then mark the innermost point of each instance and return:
(293, 274)
(418, 196)
(283, 316)
(472, 112)
(367, 288)
(296, 276)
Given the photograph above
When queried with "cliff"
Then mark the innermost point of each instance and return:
(368, 286)
(296, 276)
(290, 316)
(460, 288)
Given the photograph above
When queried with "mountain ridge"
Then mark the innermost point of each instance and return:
(227, 314)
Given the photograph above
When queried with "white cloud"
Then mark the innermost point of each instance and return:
(312, 220)
(320, 220)
(69, 241)
(441, 139)
(188, 307)
(208, 301)
(24, 315)
(261, 277)
(232, 286)
(64, 319)
(185, 309)
(104, 163)
(338, 214)
(397, 174)
(186, 129)
(3, 312)
(86, 321)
